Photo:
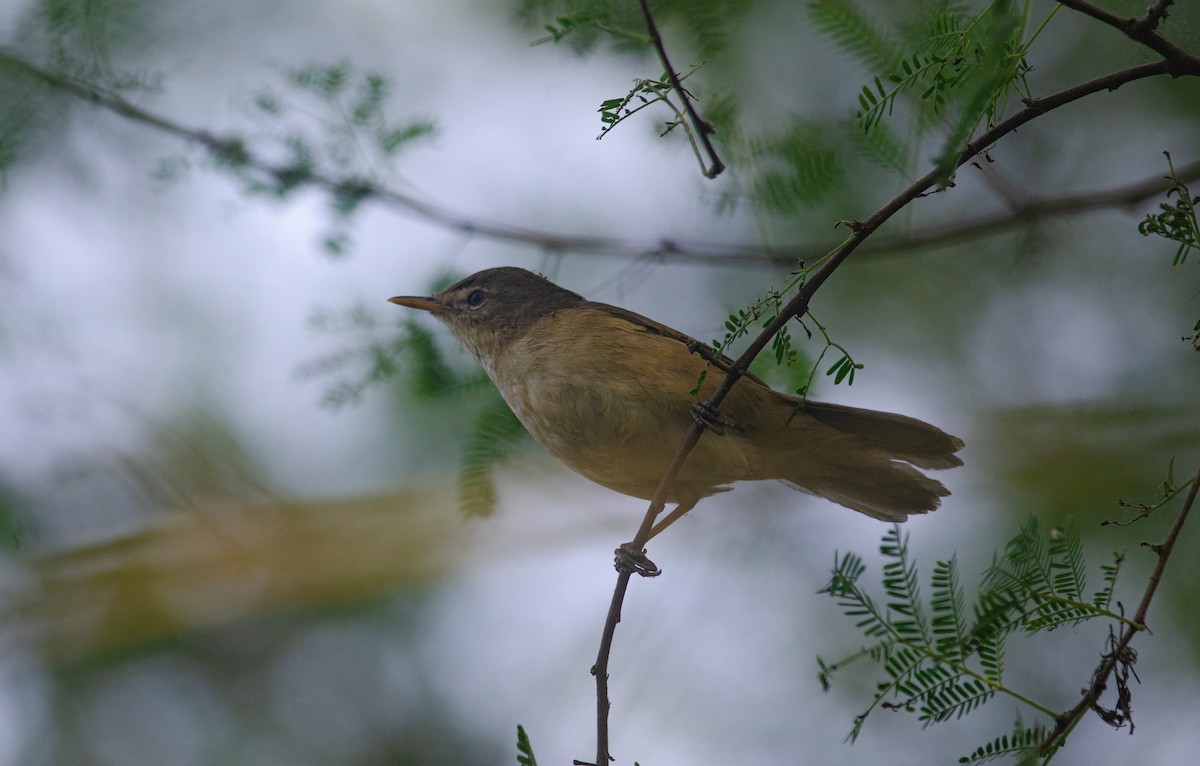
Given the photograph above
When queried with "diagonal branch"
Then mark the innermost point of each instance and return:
(703, 128)
(796, 307)
(1143, 30)
(704, 253)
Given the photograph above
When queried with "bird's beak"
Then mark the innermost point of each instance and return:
(422, 304)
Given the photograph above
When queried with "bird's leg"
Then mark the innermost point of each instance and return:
(630, 559)
(672, 517)
(706, 415)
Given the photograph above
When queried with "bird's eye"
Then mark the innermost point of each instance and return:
(475, 299)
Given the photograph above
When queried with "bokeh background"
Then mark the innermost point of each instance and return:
(205, 562)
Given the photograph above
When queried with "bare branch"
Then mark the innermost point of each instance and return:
(704, 253)
(1120, 653)
(1144, 30)
(703, 129)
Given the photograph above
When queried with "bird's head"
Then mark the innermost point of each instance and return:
(491, 308)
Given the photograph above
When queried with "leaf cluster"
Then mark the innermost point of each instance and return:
(644, 92)
(798, 167)
(953, 70)
(1168, 490)
(328, 121)
(412, 353)
(587, 23)
(841, 370)
(800, 369)
(943, 657)
(1022, 744)
(1176, 221)
(739, 323)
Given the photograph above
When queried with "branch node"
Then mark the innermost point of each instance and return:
(708, 355)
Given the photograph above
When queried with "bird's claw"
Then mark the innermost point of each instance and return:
(706, 415)
(630, 559)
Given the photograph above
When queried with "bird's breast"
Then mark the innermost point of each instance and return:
(611, 401)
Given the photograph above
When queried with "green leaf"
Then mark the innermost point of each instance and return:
(525, 756)
(993, 68)
(948, 605)
(494, 437)
(1022, 743)
(947, 667)
(853, 32)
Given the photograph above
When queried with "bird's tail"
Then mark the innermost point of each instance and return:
(866, 460)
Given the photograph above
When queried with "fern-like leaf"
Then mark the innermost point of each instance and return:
(901, 586)
(1066, 560)
(795, 168)
(496, 434)
(853, 32)
(982, 84)
(948, 604)
(525, 756)
(954, 698)
(880, 146)
(1022, 743)
(949, 666)
(1046, 580)
(430, 377)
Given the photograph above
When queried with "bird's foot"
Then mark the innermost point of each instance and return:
(706, 415)
(630, 559)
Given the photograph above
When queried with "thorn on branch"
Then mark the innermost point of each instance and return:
(708, 355)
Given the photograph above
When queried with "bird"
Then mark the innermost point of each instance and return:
(612, 393)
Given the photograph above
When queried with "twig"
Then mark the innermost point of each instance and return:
(692, 252)
(1155, 14)
(1068, 720)
(703, 129)
(798, 305)
(600, 669)
(1143, 30)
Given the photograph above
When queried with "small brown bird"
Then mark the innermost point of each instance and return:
(607, 392)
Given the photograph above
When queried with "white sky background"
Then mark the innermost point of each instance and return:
(130, 300)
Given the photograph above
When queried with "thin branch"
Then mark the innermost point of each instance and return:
(703, 253)
(600, 669)
(703, 128)
(796, 307)
(1068, 720)
(1155, 14)
(1143, 30)
(1024, 212)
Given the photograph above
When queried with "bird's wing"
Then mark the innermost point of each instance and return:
(649, 325)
